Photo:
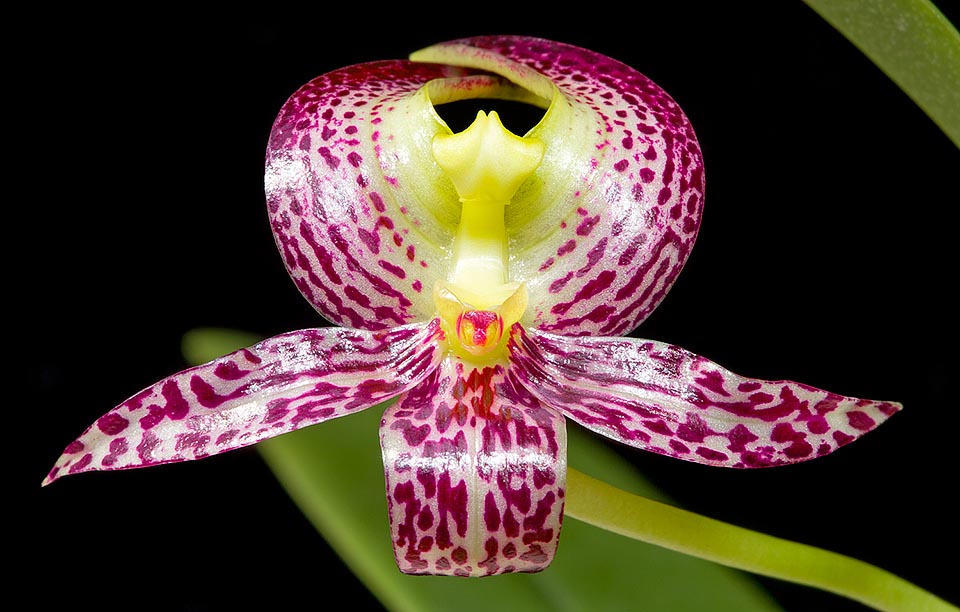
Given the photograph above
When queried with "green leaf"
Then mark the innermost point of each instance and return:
(912, 43)
(333, 472)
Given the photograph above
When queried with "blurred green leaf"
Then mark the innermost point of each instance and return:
(912, 43)
(334, 473)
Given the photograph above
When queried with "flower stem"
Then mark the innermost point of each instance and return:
(610, 508)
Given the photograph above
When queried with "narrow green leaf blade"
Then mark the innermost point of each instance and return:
(911, 42)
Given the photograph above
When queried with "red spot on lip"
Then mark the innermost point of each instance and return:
(481, 327)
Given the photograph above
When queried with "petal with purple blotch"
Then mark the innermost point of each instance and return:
(664, 399)
(604, 225)
(364, 217)
(475, 475)
(281, 384)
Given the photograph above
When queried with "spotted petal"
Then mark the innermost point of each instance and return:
(365, 217)
(661, 398)
(279, 385)
(602, 229)
(475, 475)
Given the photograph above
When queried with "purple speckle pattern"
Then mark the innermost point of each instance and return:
(666, 400)
(630, 214)
(341, 190)
(347, 203)
(287, 382)
(475, 475)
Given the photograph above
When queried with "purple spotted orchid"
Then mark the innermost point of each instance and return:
(485, 281)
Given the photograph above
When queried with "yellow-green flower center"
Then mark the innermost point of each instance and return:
(477, 303)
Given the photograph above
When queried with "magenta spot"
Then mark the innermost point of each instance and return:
(195, 442)
(860, 420)
(755, 459)
(452, 500)
(429, 483)
(355, 159)
(81, 464)
(392, 268)
(600, 313)
(404, 492)
(740, 436)
(118, 446)
(566, 247)
(416, 435)
(332, 160)
(558, 285)
(842, 438)
(74, 447)
(459, 555)
(425, 519)
(543, 477)
(711, 455)
(417, 286)
(226, 437)
(535, 555)
(229, 370)
(659, 427)
(371, 240)
(112, 423)
(713, 381)
(152, 418)
(176, 407)
(663, 197)
(276, 412)
(798, 450)
(694, 430)
(888, 408)
(647, 175)
(784, 432)
(491, 513)
(587, 225)
(818, 425)
(621, 165)
(491, 546)
(426, 543)
(377, 201)
(511, 526)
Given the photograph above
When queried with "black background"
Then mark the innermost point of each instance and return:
(826, 255)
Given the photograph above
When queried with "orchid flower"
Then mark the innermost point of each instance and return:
(486, 282)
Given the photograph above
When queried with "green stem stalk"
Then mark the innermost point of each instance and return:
(607, 507)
